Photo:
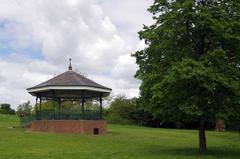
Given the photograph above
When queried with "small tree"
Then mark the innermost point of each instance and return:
(24, 108)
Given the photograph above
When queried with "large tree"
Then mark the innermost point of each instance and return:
(190, 67)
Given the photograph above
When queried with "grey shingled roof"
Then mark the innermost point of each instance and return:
(69, 78)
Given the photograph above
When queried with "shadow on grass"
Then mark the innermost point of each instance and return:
(213, 152)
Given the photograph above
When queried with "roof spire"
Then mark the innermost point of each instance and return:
(70, 65)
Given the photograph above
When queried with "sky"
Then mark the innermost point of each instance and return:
(37, 37)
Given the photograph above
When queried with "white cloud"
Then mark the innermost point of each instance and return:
(99, 35)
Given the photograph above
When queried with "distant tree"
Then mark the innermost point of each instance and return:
(6, 109)
(24, 108)
(190, 69)
(121, 110)
(91, 105)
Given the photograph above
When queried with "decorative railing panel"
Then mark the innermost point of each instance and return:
(51, 115)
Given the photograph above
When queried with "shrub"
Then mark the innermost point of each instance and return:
(6, 109)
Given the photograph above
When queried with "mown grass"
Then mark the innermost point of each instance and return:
(122, 142)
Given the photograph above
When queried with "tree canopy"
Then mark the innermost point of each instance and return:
(190, 67)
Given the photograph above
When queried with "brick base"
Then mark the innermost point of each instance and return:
(70, 126)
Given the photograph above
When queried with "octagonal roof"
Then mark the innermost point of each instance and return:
(69, 84)
(69, 78)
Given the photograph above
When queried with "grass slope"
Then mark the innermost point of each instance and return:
(122, 142)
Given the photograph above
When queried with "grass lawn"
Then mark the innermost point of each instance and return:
(122, 142)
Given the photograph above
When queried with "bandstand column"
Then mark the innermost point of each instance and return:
(40, 108)
(83, 100)
(36, 107)
(59, 103)
(100, 100)
(53, 109)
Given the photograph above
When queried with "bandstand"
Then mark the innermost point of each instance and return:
(74, 87)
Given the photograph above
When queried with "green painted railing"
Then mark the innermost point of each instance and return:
(27, 120)
(50, 115)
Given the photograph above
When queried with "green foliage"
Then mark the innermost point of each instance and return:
(92, 105)
(70, 106)
(190, 69)
(195, 92)
(6, 109)
(125, 111)
(121, 110)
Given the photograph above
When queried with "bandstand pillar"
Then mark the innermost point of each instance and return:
(83, 100)
(36, 107)
(100, 107)
(59, 103)
(40, 106)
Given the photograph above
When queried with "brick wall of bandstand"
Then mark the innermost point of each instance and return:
(69, 126)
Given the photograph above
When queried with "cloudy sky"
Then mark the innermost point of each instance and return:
(38, 36)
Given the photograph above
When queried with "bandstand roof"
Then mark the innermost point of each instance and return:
(69, 84)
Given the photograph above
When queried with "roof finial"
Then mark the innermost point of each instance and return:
(70, 65)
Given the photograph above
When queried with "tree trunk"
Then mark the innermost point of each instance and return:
(202, 138)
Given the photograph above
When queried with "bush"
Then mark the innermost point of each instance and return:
(121, 110)
(6, 109)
